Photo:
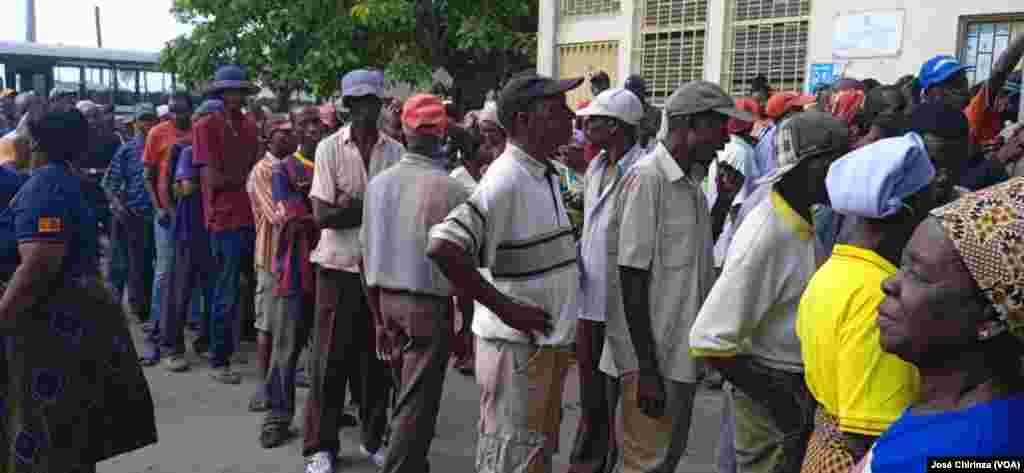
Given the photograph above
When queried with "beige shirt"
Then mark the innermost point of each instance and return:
(661, 225)
(339, 176)
(259, 186)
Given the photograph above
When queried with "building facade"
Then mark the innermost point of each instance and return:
(794, 43)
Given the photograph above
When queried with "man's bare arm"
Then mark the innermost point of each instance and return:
(457, 266)
(330, 216)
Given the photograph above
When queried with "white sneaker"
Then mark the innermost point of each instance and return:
(320, 462)
(376, 457)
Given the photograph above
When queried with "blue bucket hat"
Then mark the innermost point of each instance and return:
(872, 181)
(232, 77)
(938, 69)
(210, 106)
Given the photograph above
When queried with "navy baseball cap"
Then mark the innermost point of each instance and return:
(938, 69)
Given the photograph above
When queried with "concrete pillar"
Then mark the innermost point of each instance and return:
(631, 44)
(714, 41)
(547, 38)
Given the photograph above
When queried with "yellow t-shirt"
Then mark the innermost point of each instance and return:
(865, 388)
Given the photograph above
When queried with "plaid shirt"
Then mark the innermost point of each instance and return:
(125, 179)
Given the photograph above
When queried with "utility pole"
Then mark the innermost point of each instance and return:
(30, 21)
(99, 31)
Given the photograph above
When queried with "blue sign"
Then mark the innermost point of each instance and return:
(820, 73)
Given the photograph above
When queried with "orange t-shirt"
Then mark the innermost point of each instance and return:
(158, 153)
(984, 121)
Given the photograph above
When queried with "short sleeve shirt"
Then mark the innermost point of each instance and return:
(402, 204)
(339, 177)
(232, 152)
(846, 369)
(157, 153)
(50, 207)
(661, 225)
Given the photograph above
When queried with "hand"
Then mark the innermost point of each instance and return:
(650, 396)
(163, 217)
(526, 318)
(385, 344)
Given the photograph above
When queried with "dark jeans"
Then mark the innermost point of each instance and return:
(187, 275)
(422, 326)
(136, 234)
(343, 349)
(593, 446)
(231, 248)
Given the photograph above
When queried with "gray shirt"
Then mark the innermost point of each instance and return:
(402, 204)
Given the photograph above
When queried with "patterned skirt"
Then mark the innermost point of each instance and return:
(71, 390)
(827, 451)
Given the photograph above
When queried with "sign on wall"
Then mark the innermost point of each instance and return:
(868, 34)
(821, 73)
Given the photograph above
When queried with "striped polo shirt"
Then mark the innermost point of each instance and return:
(516, 225)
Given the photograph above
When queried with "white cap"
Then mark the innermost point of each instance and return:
(162, 111)
(86, 106)
(616, 103)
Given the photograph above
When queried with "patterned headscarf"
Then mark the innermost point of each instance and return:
(846, 103)
(987, 228)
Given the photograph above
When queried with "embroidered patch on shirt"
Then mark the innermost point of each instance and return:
(50, 225)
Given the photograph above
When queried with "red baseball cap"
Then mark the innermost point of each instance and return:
(425, 113)
(781, 102)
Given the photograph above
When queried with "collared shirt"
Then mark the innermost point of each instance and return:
(260, 189)
(571, 185)
(752, 307)
(402, 204)
(125, 178)
(599, 204)
(462, 175)
(157, 154)
(339, 177)
(515, 224)
(847, 370)
(660, 225)
(218, 145)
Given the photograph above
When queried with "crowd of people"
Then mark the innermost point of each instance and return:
(846, 267)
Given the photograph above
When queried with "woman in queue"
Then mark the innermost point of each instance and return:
(72, 392)
(955, 310)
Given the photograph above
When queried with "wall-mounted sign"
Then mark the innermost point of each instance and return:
(820, 74)
(868, 34)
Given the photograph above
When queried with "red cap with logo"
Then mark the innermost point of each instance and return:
(425, 113)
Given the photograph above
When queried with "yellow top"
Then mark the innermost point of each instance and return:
(865, 388)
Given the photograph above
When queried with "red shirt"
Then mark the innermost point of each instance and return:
(232, 153)
(158, 154)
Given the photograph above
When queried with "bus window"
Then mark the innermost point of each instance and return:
(127, 80)
(99, 85)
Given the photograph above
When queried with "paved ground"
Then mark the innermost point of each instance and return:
(205, 428)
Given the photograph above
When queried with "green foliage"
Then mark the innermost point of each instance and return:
(305, 44)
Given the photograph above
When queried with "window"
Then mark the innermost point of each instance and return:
(983, 40)
(67, 78)
(769, 38)
(3, 77)
(672, 42)
(127, 81)
(99, 85)
(155, 85)
(589, 7)
(584, 59)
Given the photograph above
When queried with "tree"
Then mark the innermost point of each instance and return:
(291, 45)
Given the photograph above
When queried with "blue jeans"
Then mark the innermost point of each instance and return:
(230, 248)
(163, 245)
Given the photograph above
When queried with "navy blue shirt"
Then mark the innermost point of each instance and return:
(51, 207)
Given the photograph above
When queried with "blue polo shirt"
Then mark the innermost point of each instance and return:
(50, 207)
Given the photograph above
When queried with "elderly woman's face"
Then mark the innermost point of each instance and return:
(932, 306)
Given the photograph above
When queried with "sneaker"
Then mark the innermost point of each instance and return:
(376, 457)
(176, 364)
(320, 462)
(226, 375)
(201, 346)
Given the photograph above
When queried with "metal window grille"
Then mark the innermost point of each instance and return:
(583, 60)
(672, 44)
(984, 42)
(589, 7)
(769, 38)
